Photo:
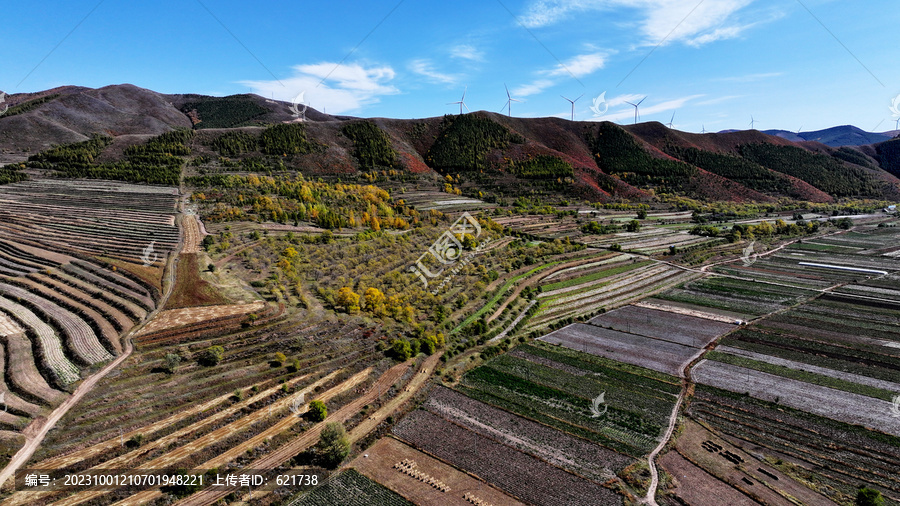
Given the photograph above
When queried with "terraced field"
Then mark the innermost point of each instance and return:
(73, 282)
(115, 220)
(603, 287)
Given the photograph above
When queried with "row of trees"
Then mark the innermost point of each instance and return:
(294, 199)
(761, 230)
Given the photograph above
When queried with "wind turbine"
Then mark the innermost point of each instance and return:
(509, 101)
(462, 101)
(897, 124)
(704, 129)
(671, 120)
(752, 123)
(573, 104)
(636, 115)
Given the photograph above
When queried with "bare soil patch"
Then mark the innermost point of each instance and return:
(172, 318)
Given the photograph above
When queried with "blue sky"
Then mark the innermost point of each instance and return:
(713, 63)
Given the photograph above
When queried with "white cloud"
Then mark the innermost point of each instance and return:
(467, 52)
(532, 88)
(581, 65)
(337, 88)
(645, 109)
(425, 68)
(578, 66)
(658, 19)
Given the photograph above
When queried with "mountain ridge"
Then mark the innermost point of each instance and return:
(635, 163)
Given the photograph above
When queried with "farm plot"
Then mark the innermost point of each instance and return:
(619, 289)
(891, 293)
(844, 336)
(12, 403)
(737, 295)
(192, 234)
(350, 488)
(110, 219)
(79, 337)
(53, 358)
(131, 399)
(703, 467)
(667, 326)
(822, 401)
(426, 200)
(823, 376)
(517, 473)
(8, 326)
(663, 356)
(690, 310)
(180, 317)
(813, 269)
(571, 453)
(557, 387)
(380, 464)
(698, 488)
(832, 457)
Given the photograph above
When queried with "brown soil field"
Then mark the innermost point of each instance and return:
(425, 371)
(697, 487)
(765, 488)
(172, 318)
(378, 464)
(192, 234)
(422, 375)
(190, 289)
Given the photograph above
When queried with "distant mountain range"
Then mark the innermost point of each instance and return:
(846, 135)
(499, 156)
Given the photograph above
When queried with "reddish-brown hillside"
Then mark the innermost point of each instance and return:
(130, 115)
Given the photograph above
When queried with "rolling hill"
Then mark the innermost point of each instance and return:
(498, 156)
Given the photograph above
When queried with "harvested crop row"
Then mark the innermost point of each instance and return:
(79, 336)
(51, 347)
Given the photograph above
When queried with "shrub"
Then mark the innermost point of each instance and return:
(317, 411)
(333, 446)
(135, 441)
(869, 497)
(171, 362)
(212, 356)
